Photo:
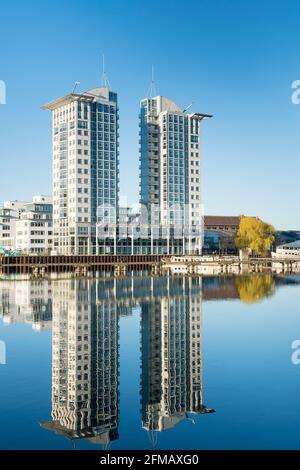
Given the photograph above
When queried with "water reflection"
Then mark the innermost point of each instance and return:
(26, 302)
(85, 361)
(85, 316)
(255, 288)
(171, 337)
(85, 354)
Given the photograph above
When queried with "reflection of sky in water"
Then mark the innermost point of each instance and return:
(147, 359)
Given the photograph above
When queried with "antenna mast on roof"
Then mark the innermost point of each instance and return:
(152, 89)
(76, 84)
(188, 107)
(105, 81)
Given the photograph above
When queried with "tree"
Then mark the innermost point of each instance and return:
(255, 235)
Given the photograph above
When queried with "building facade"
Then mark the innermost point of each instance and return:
(219, 234)
(34, 230)
(170, 177)
(222, 223)
(288, 250)
(85, 171)
(10, 213)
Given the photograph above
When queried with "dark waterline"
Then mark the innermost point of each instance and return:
(150, 363)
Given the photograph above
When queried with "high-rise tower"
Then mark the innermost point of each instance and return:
(85, 170)
(170, 174)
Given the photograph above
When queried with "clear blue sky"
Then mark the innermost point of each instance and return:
(235, 59)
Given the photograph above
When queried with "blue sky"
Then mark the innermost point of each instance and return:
(235, 60)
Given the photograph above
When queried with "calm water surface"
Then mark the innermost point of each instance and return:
(150, 363)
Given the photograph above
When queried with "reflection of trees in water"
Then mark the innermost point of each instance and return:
(255, 288)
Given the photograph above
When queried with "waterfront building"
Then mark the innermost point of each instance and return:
(219, 234)
(127, 215)
(288, 250)
(34, 231)
(222, 223)
(170, 177)
(10, 213)
(85, 171)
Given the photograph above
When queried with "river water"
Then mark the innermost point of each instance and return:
(145, 362)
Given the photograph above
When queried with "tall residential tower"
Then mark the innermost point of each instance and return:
(170, 175)
(85, 169)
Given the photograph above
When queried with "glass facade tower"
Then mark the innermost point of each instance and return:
(85, 169)
(170, 174)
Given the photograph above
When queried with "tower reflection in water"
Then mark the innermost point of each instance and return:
(85, 354)
(85, 342)
(171, 379)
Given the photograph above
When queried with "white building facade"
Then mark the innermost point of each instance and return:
(10, 213)
(34, 230)
(85, 170)
(288, 250)
(170, 176)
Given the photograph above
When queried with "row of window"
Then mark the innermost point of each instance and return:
(174, 118)
(34, 232)
(106, 127)
(83, 152)
(174, 128)
(79, 209)
(106, 165)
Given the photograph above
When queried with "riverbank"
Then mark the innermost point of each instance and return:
(40, 265)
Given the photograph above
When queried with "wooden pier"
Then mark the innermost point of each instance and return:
(40, 265)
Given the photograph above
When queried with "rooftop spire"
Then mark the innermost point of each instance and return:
(76, 84)
(105, 81)
(152, 89)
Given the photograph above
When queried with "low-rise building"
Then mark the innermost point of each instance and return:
(34, 232)
(289, 250)
(221, 223)
(219, 233)
(10, 213)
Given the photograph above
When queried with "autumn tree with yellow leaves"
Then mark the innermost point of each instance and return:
(256, 235)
